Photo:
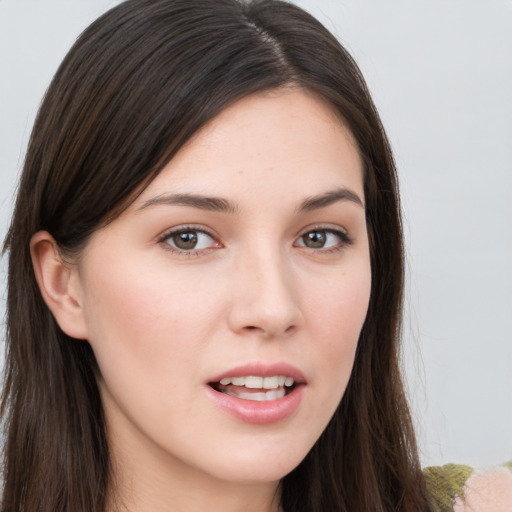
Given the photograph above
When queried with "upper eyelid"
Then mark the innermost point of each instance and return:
(336, 228)
(186, 227)
(209, 231)
(333, 228)
(164, 240)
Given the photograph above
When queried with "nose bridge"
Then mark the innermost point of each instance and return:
(266, 299)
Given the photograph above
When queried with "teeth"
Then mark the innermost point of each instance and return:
(254, 382)
(270, 383)
(260, 397)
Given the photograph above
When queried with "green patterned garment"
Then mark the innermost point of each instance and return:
(445, 483)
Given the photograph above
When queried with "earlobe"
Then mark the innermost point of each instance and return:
(59, 284)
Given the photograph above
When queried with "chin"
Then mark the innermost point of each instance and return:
(256, 475)
(260, 468)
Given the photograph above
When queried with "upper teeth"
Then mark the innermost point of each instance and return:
(255, 382)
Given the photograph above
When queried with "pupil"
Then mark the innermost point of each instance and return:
(185, 240)
(315, 239)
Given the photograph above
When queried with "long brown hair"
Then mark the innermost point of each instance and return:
(137, 84)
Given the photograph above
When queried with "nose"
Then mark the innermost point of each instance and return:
(265, 300)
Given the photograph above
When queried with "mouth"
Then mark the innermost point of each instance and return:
(256, 388)
(259, 393)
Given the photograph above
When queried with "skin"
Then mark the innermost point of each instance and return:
(162, 323)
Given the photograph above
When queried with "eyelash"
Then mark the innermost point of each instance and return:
(344, 238)
(163, 240)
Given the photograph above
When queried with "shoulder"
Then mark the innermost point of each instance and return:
(460, 488)
(445, 483)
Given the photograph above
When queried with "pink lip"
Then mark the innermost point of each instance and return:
(260, 413)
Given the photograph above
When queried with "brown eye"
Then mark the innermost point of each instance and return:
(186, 240)
(315, 239)
(326, 239)
(189, 240)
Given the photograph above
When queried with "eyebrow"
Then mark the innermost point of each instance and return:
(219, 204)
(328, 198)
(212, 204)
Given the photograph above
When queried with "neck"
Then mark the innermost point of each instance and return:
(150, 491)
(145, 481)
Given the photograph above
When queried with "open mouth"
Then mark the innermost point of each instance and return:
(255, 388)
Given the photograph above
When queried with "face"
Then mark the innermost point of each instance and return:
(225, 304)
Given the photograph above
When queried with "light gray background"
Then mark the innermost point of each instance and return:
(441, 75)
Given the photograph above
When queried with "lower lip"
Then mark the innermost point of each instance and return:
(258, 413)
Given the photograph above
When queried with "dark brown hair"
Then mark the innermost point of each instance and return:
(137, 84)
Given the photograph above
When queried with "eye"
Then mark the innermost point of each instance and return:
(324, 239)
(188, 240)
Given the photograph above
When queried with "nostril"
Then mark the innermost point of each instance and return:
(268, 332)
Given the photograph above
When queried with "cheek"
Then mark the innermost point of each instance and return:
(148, 334)
(337, 313)
(338, 305)
(135, 293)
(143, 320)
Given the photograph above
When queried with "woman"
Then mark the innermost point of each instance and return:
(205, 275)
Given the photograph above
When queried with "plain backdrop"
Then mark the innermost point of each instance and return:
(441, 75)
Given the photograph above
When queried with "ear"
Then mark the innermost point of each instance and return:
(59, 282)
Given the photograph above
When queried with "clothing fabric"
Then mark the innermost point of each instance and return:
(461, 488)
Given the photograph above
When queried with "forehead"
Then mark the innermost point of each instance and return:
(287, 140)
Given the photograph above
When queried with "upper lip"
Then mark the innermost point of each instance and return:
(260, 369)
